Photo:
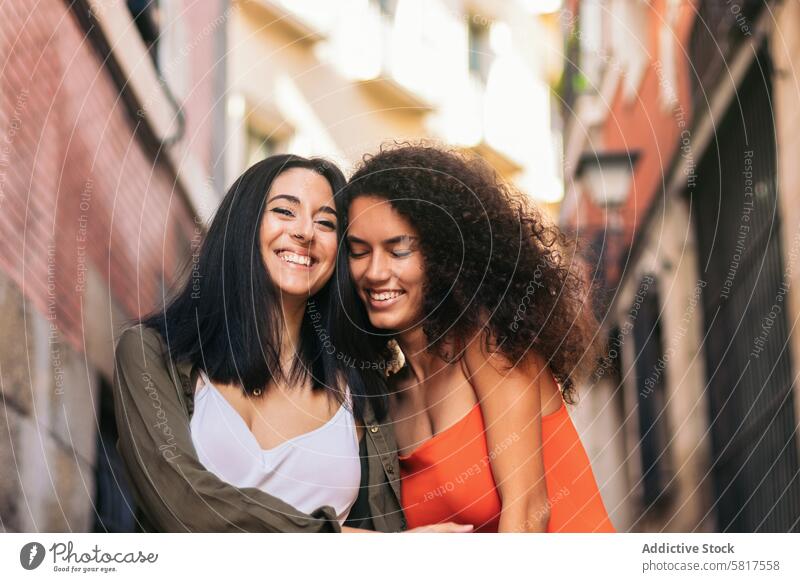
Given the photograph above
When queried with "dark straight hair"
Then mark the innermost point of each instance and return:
(226, 318)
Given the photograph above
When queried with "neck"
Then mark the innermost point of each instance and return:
(422, 363)
(293, 311)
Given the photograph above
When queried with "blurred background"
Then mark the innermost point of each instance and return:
(660, 133)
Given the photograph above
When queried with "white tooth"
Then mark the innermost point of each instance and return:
(296, 259)
(385, 296)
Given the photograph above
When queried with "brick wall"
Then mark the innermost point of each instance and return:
(76, 184)
(644, 123)
(90, 225)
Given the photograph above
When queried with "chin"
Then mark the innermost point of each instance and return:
(294, 289)
(380, 323)
(387, 321)
(294, 293)
(297, 286)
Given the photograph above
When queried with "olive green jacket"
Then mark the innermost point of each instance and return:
(153, 402)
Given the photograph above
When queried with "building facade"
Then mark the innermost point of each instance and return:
(341, 78)
(94, 223)
(702, 263)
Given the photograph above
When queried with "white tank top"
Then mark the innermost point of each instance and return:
(321, 467)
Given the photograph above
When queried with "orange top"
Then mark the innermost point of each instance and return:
(449, 478)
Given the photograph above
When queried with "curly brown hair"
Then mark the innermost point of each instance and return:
(494, 263)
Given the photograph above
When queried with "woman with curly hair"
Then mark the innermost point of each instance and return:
(490, 315)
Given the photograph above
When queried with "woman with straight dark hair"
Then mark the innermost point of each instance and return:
(490, 314)
(234, 413)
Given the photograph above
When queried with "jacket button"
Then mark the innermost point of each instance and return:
(373, 429)
(390, 470)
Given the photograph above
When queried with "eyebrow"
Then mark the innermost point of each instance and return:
(292, 199)
(296, 200)
(389, 241)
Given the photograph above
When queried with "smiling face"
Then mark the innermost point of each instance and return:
(298, 233)
(386, 264)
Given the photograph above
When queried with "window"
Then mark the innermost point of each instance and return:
(261, 145)
(146, 15)
(480, 56)
(386, 7)
(630, 40)
(667, 73)
(593, 53)
(651, 371)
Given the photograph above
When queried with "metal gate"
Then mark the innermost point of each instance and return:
(749, 371)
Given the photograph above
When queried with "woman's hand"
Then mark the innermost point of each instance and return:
(448, 527)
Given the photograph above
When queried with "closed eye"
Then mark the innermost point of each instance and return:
(327, 224)
(284, 211)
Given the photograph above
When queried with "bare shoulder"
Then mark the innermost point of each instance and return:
(494, 375)
(483, 350)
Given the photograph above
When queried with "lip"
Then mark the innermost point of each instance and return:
(377, 305)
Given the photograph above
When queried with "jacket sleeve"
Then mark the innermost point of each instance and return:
(174, 490)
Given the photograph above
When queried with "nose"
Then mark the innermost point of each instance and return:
(378, 269)
(303, 229)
